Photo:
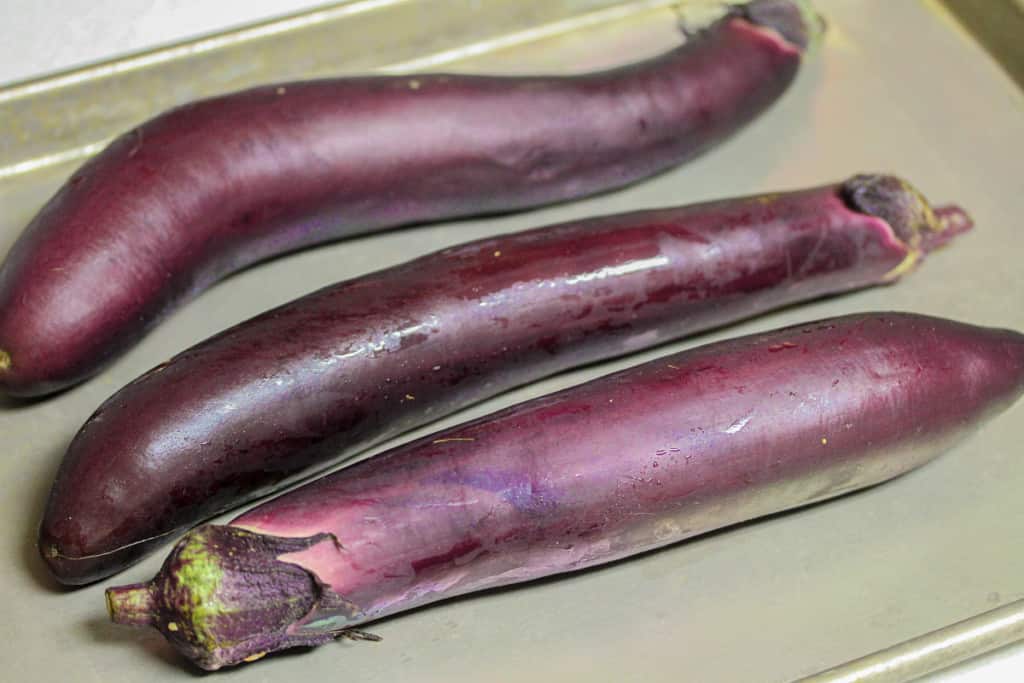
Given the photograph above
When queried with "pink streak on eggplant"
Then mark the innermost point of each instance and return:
(212, 187)
(333, 372)
(626, 463)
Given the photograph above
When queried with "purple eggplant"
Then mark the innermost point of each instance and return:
(623, 464)
(214, 186)
(336, 371)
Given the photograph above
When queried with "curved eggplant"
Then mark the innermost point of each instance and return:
(212, 187)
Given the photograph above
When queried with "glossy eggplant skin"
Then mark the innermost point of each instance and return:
(211, 187)
(626, 463)
(331, 373)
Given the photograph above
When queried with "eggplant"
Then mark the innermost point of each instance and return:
(212, 187)
(332, 373)
(620, 465)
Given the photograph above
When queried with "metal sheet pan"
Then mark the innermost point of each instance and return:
(897, 86)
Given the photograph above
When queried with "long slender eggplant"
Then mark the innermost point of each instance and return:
(629, 462)
(211, 187)
(331, 373)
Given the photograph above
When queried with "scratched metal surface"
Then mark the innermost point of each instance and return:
(896, 87)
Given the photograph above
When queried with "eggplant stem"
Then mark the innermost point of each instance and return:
(952, 220)
(132, 605)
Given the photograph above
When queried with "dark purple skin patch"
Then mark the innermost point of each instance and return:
(214, 186)
(329, 374)
(625, 463)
